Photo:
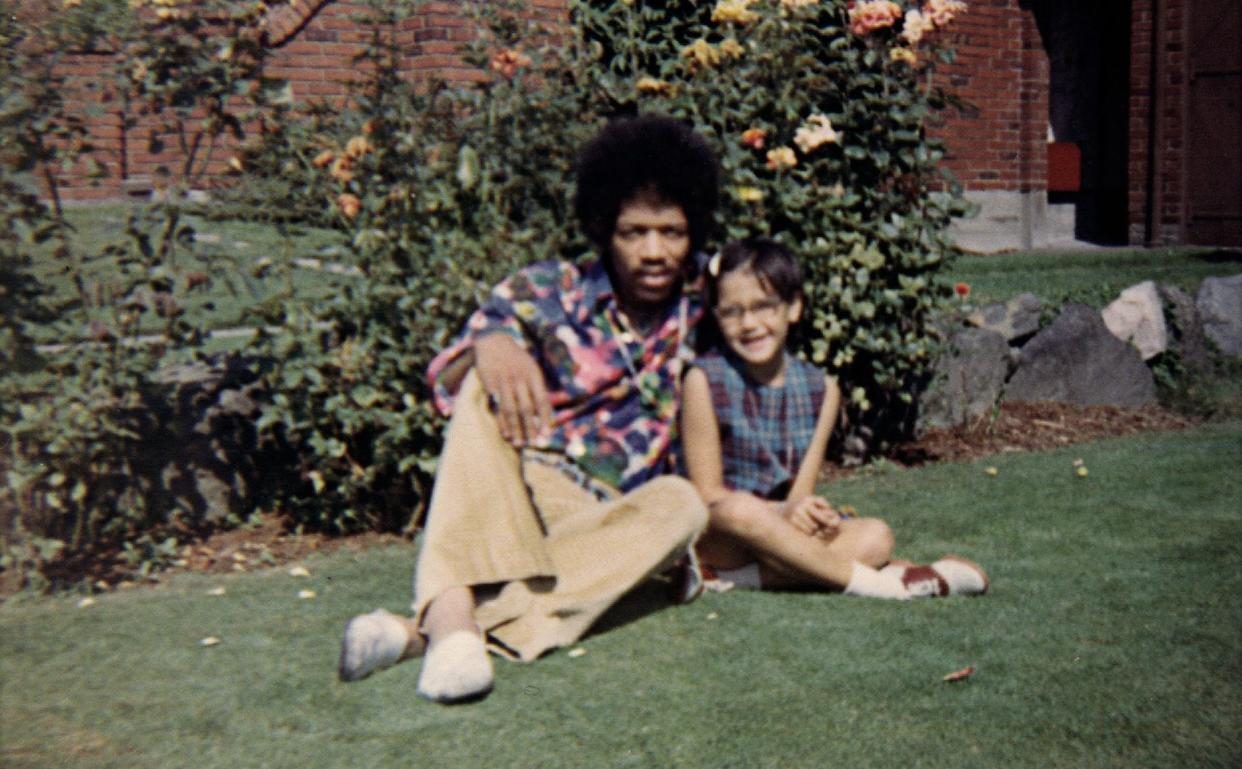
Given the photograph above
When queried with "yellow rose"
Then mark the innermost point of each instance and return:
(651, 85)
(904, 54)
(748, 194)
(734, 11)
(732, 48)
(700, 53)
(781, 157)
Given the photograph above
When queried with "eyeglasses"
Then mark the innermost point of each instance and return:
(732, 314)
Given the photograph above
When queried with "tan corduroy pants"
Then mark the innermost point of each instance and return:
(544, 556)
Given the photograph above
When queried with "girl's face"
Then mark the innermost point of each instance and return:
(754, 322)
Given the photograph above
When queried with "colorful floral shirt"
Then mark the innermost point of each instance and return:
(614, 395)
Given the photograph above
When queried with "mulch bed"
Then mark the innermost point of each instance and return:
(1036, 427)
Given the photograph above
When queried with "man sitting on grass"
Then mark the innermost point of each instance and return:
(551, 499)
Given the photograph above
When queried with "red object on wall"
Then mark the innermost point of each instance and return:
(1064, 167)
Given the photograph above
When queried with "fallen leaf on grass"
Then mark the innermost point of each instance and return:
(960, 675)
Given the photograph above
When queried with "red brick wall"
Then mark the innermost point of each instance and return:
(313, 42)
(1002, 70)
(1157, 122)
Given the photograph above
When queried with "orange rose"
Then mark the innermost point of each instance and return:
(357, 147)
(509, 61)
(342, 170)
(349, 204)
(866, 17)
(754, 138)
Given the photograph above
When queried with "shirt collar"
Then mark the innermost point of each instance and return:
(596, 285)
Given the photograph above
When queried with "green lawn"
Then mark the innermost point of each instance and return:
(1109, 639)
(1094, 277)
(233, 255)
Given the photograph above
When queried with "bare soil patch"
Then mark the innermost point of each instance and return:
(1019, 427)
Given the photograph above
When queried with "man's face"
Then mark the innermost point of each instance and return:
(649, 248)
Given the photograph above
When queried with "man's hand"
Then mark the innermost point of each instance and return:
(814, 517)
(515, 384)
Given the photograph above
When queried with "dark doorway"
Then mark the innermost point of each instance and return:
(1214, 124)
(1088, 47)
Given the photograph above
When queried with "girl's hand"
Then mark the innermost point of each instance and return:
(814, 517)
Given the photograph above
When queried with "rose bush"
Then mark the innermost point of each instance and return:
(76, 416)
(819, 112)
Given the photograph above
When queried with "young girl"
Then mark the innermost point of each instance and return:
(755, 424)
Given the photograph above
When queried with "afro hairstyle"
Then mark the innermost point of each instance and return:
(648, 154)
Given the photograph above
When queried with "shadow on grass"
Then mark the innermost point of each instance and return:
(1219, 256)
(648, 598)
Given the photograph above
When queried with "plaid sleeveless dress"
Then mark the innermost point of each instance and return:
(764, 431)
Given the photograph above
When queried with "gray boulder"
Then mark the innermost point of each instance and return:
(967, 378)
(203, 461)
(1014, 319)
(1186, 337)
(1077, 360)
(1219, 302)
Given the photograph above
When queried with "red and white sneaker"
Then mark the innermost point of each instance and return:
(951, 575)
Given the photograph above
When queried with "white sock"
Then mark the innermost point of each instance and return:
(456, 668)
(743, 578)
(964, 577)
(371, 642)
(866, 581)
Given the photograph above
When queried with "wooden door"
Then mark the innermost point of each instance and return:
(1214, 124)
